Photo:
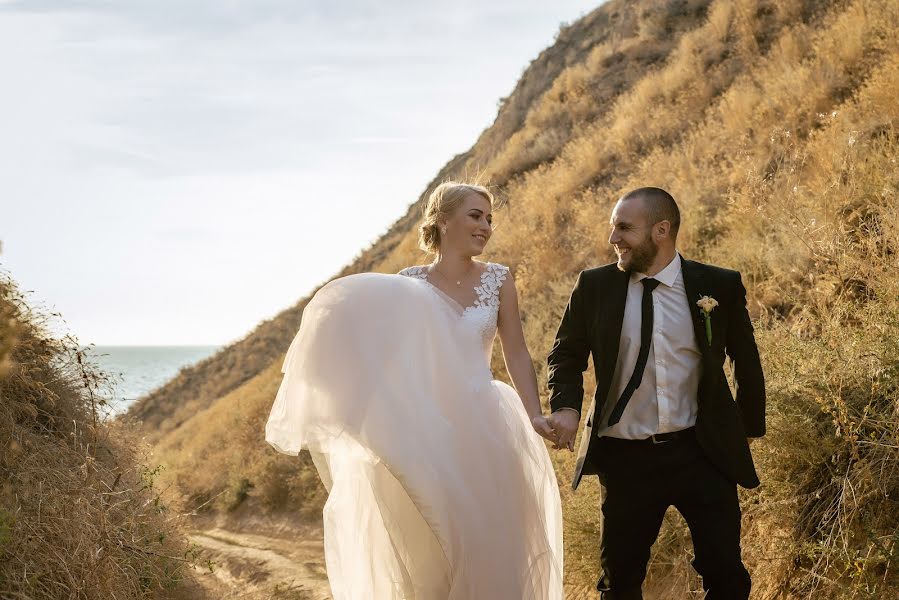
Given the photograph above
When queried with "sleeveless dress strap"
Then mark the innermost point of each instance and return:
(491, 281)
(416, 272)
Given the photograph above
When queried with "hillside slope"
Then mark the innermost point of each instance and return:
(775, 125)
(80, 516)
(197, 387)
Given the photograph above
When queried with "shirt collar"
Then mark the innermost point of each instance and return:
(668, 275)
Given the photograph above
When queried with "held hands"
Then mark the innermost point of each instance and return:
(544, 427)
(560, 428)
(564, 423)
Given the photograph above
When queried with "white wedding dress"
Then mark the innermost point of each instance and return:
(439, 488)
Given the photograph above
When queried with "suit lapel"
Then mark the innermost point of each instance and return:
(614, 316)
(693, 284)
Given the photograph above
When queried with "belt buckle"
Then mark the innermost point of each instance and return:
(655, 441)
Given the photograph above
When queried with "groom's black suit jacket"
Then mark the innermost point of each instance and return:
(592, 325)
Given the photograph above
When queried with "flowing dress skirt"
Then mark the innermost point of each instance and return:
(438, 486)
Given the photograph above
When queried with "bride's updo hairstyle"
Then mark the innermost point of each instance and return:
(444, 201)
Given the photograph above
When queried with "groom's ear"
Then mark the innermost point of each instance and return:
(662, 229)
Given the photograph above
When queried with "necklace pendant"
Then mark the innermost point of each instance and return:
(458, 283)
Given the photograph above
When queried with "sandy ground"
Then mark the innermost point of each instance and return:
(254, 566)
(266, 560)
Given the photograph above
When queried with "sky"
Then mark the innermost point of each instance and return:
(174, 172)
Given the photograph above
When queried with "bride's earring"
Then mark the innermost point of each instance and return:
(443, 231)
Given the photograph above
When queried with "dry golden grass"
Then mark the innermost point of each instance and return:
(255, 472)
(776, 125)
(80, 517)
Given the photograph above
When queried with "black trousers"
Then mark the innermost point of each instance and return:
(640, 481)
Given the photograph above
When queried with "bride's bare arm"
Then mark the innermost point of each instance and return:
(518, 359)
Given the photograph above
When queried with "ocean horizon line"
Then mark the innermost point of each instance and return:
(95, 345)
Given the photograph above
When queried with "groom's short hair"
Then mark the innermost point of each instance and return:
(660, 206)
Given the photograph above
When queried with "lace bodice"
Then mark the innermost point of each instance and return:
(483, 314)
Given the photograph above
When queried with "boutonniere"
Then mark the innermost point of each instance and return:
(706, 305)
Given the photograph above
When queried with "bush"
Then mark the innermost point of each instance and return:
(79, 514)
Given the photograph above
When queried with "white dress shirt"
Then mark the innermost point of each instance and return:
(667, 397)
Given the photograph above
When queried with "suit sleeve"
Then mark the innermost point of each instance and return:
(568, 358)
(744, 354)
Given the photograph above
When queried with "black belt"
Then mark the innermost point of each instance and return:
(658, 438)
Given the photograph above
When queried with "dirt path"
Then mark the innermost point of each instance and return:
(282, 565)
(250, 566)
(254, 566)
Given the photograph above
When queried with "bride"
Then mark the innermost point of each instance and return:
(440, 486)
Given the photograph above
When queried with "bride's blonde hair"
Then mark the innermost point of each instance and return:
(443, 201)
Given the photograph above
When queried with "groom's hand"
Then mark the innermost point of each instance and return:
(565, 422)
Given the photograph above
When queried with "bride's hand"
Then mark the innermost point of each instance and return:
(543, 426)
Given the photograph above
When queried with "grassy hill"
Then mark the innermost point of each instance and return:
(80, 516)
(776, 126)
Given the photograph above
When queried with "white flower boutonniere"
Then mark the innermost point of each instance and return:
(706, 305)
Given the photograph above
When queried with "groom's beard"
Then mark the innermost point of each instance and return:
(641, 257)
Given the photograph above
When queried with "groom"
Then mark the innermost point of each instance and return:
(663, 428)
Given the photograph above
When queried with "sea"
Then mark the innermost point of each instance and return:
(138, 370)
